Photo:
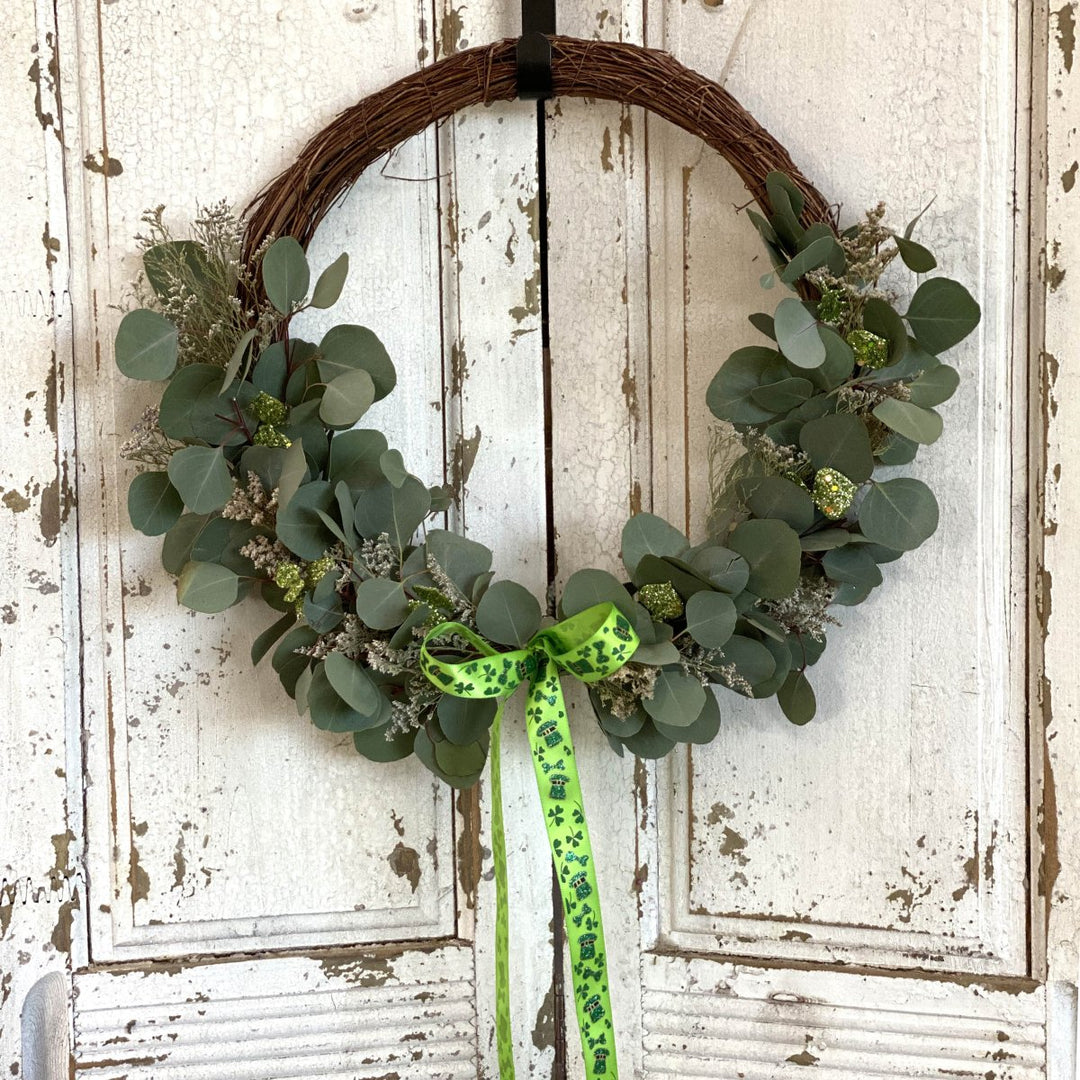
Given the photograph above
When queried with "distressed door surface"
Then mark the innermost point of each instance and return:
(228, 892)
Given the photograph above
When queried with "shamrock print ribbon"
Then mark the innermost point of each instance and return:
(590, 645)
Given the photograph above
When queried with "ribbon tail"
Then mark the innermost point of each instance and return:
(572, 856)
(503, 1030)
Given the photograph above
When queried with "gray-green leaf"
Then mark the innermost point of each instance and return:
(508, 614)
(147, 345)
(285, 274)
(942, 313)
(201, 476)
(381, 603)
(207, 587)
(913, 422)
(797, 334)
(899, 514)
(710, 618)
(154, 505)
(331, 282)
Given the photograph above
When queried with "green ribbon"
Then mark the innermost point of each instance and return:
(589, 646)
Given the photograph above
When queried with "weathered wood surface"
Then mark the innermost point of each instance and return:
(218, 821)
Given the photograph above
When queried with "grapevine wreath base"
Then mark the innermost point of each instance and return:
(392, 629)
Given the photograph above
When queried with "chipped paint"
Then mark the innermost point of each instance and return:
(543, 1030)
(605, 152)
(467, 848)
(532, 298)
(101, 163)
(450, 34)
(1068, 177)
(359, 970)
(405, 862)
(1066, 33)
(464, 457)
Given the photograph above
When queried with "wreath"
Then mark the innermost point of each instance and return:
(391, 627)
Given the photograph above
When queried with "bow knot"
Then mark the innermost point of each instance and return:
(589, 646)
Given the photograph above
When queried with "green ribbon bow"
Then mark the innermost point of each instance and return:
(589, 646)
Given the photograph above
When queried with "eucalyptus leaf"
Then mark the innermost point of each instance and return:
(657, 653)
(353, 684)
(776, 497)
(915, 256)
(677, 698)
(330, 712)
(621, 727)
(771, 547)
(899, 514)
(381, 603)
(397, 511)
(194, 408)
(796, 698)
(331, 281)
(780, 397)
(393, 467)
(322, 606)
(154, 505)
(840, 442)
(350, 348)
(237, 358)
(797, 334)
(656, 570)
(266, 640)
(464, 721)
(898, 450)
(294, 470)
(934, 387)
(702, 731)
(725, 569)
(818, 253)
(271, 370)
(729, 394)
(647, 534)
(375, 745)
(825, 540)
(586, 588)
(710, 619)
(648, 743)
(355, 458)
(147, 345)
(201, 476)
(285, 274)
(463, 560)
(458, 766)
(207, 587)
(174, 260)
(179, 540)
(299, 526)
(346, 398)
(287, 662)
(941, 314)
(839, 361)
(917, 424)
(508, 614)
(781, 655)
(750, 658)
(853, 565)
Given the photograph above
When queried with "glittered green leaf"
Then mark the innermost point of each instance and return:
(201, 476)
(899, 514)
(840, 442)
(207, 587)
(881, 318)
(381, 603)
(942, 313)
(285, 274)
(331, 281)
(917, 424)
(147, 345)
(796, 698)
(508, 614)
(350, 348)
(710, 618)
(647, 534)
(771, 547)
(797, 334)
(154, 505)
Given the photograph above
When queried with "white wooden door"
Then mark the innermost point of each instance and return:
(887, 892)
